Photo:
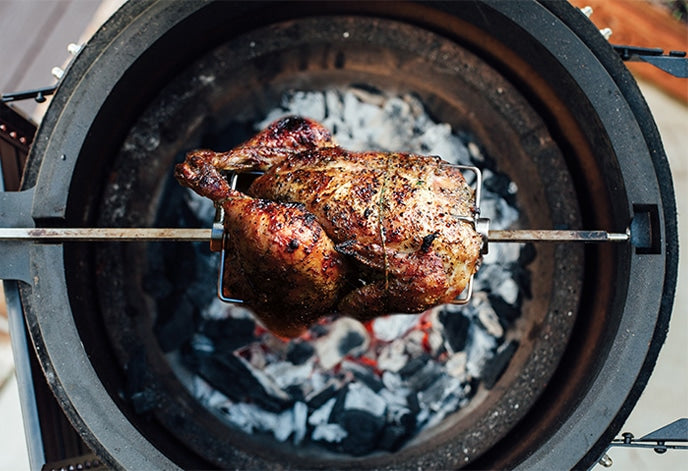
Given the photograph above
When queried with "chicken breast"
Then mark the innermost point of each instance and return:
(359, 233)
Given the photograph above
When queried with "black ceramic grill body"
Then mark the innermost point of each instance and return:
(580, 129)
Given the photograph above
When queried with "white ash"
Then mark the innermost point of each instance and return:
(487, 315)
(479, 349)
(330, 433)
(322, 414)
(389, 328)
(456, 365)
(393, 355)
(365, 119)
(329, 347)
(363, 398)
(360, 120)
(285, 373)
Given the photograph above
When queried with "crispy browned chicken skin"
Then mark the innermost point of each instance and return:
(326, 230)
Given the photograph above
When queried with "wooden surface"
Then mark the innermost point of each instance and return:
(645, 24)
(33, 39)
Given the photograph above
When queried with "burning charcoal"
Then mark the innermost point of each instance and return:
(476, 154)
(367, 93)
(250, 417)
(393, 436)
(502, 254)
(291, 422)
(255, 355)
(350, 342)
(435, 395)
(217, 400)
(299, 352)
(456, 365)
(500, 184)
(361, 397)
(438, 140)
(300, 415)
(508, 291)
(206, 275)
(364, 375)
(455, 329)
(404, 417)
(322, 414)
(361, 413)
(202, 345)
(414, 365)
(204, 391)
(495, 367)
(392, 381)
(233, 377)
(505, 311)
(479, 349)
(413, 404)
(227, 327)
(284, 426)
(363, 431)
(318, 330)
(424, 377)
(286, 374)
(229, 334)
(296, 391)
(324, 389)
(392, 357)
(346, 337)
(434, 339)
(501, 214)
(175, 329)
(317, 400)
(401, 423)
(319, 381)
(388, 328)
(330, 433)
(487, 316)
(415, 343)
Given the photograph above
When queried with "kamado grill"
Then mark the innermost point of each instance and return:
(145, 362)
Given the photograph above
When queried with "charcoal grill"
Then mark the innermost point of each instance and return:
(544, 92)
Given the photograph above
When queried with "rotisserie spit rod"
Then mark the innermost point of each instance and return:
(98, 234)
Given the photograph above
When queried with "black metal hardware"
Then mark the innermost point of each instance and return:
(673, 62)
(673, 436)
(37, 94)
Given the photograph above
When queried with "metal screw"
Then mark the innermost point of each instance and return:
(606, 32)
(661, 448)
(605, 461)
(627, 436)
(57, 72)
(587, 10)
(74, 48)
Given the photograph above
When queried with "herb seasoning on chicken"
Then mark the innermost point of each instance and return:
(326, 230)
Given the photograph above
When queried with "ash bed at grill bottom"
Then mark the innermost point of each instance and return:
(350, 387)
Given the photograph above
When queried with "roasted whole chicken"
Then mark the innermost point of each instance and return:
(325, 230)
